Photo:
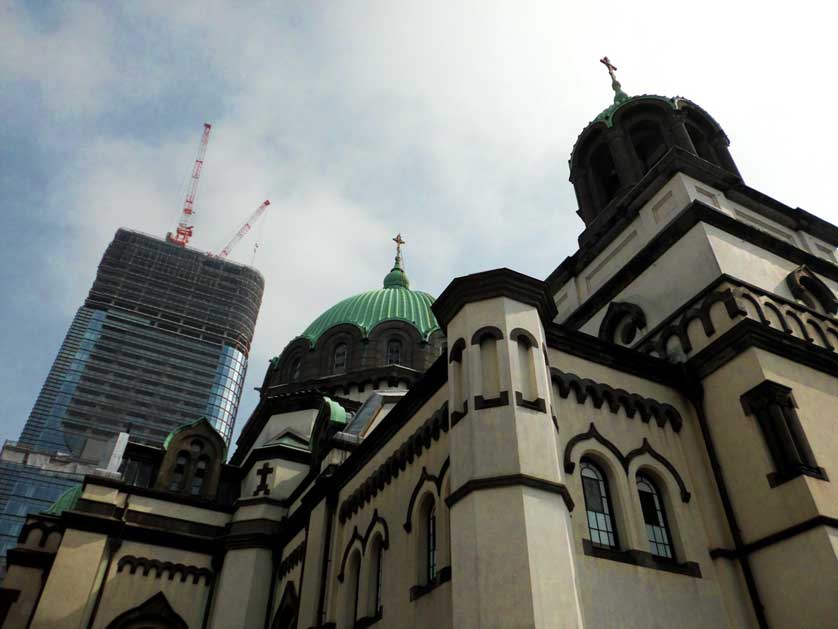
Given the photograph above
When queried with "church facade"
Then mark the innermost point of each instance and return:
(643, 439)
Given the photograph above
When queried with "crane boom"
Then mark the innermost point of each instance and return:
(257, 214)
(184, 229)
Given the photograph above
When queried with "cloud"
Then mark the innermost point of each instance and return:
(448, 122)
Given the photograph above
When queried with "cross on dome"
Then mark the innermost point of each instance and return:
(619, 94)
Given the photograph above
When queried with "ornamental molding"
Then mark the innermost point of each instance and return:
(676, 338)
(632, 404)
(421, 440)
(161, 568)
(625, 460)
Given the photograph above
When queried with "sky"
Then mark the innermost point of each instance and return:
(450, 122)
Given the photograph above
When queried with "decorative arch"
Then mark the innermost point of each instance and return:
(592, 433)
(436, 481)
(617, 313)
(811, 290)
(45, 528)
(356, 537)
(377, 523)
(154, 613)
(373, 526)
(521, 333)
(455, 354)
(488, 331)
(646, 448)
(625, 460)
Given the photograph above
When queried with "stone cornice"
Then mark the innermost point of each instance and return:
(488, 285)
(697, 212)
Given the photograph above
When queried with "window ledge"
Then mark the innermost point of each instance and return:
(775, 479)
(642, 559)
(418, 591)
(369, 621)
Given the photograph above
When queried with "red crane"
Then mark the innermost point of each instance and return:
(184, 228)
(257, 214)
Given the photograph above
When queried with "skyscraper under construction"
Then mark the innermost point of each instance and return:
(162, 338)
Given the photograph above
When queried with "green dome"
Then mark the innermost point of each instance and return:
(394, 302)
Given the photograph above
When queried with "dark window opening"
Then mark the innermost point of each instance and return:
(604, 179)
(296, 367)
(379, 574)
(431, 531)
(649, 143)
(199, 476)
(340, 359)
(394, 352)
(654, 517)
(702, 144)
(179, 474)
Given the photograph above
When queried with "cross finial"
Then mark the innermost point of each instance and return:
(619, 94)
(399, 242)
(611, 67)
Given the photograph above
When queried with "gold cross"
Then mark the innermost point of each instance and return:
(611, 68)
(399, 242)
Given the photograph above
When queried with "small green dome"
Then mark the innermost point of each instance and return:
(66, 501)
(394, 302)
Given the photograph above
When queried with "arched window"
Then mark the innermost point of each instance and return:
(352, 583)
(598, 506)
(394, 352)
(648, 142)
(340, 358)
(701, 142)
(430, 530)
(199, 475)
(604, 179)
(179, 473)
(296, 368)
(377, 577)
(654, 516)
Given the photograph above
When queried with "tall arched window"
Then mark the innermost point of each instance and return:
(654, 516)
(598, 506)
(394, 352)
(296, 368)
(377, 573)
(179, 473)
(350, 601)
(431, 543)
(648, 142)
(340, 358)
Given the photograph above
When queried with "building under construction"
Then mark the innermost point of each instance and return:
(162, 338)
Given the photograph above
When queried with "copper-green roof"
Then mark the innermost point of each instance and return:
(183, 427)
(607, 114)
(393, 302)
(66, 501)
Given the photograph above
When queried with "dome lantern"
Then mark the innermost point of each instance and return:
(624, 142)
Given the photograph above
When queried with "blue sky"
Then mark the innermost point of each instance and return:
(450, 122)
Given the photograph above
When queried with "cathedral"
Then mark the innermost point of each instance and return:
(642, 439)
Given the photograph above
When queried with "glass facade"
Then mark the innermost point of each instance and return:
(26, 489)
(161, 340)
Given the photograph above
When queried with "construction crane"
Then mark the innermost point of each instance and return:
(257, 214)
(184, 228)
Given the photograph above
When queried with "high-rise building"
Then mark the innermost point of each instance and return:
(162, 338)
